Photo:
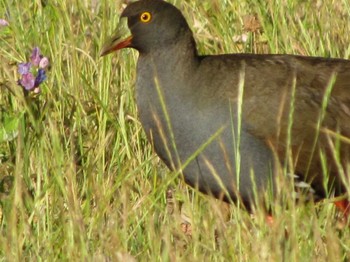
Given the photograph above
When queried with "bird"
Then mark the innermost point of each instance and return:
(233, 124)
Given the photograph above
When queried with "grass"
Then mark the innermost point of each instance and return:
(79, 181)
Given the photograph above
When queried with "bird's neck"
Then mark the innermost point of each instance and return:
(172, 58)
(163, 80)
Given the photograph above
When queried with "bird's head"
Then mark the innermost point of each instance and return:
(147, 25)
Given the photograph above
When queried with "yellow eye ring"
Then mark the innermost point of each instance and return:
(145, 17)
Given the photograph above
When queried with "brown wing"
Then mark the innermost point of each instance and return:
(302, 104)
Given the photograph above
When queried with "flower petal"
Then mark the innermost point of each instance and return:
(27, 81)
(24, 68)
(44, 62)
(3, 23)
(41, 77)
(35, 57)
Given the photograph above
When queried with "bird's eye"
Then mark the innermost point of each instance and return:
(145, 17)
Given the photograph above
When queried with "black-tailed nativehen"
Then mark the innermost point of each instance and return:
(232, 124)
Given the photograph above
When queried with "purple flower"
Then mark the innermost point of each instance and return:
(38, 59)
(44, 62)
(33, 73)
(27, 81)
(24, 68)
(35, 57)
(3, 23)
(41, 77)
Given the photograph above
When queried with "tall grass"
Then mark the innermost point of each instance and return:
(79, 181)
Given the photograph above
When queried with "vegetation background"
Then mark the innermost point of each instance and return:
(79, 181)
